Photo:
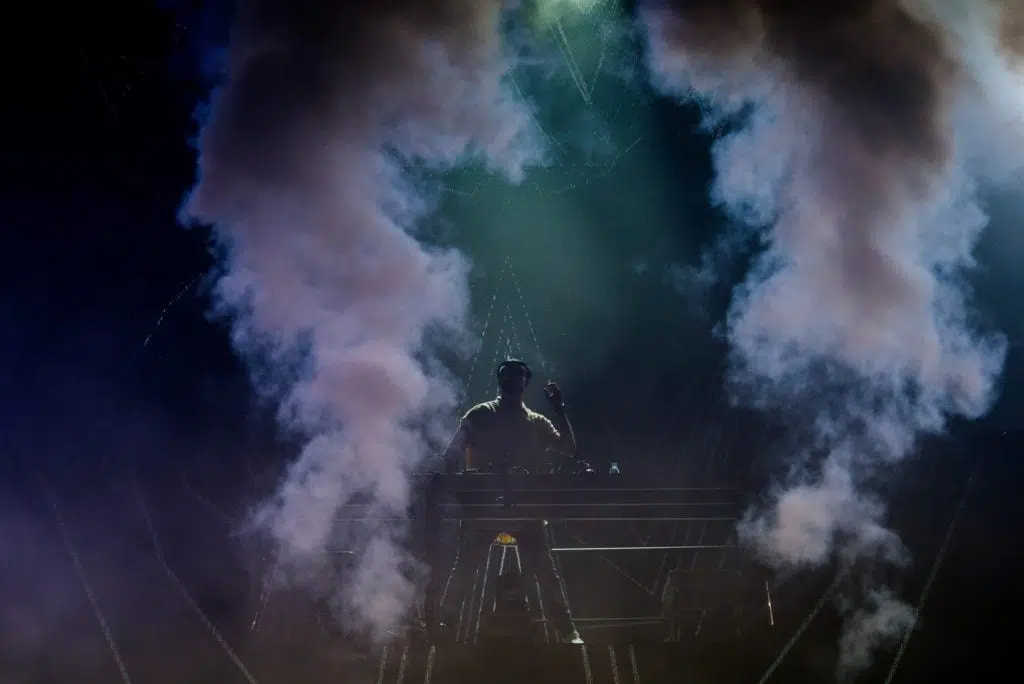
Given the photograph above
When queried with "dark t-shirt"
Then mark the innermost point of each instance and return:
(497, 428)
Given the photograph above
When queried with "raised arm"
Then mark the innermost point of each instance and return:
(563, 438)
(566, 441)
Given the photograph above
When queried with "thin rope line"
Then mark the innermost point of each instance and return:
(180, 586)
(86, 585)
(928, 582)
(804, 625)
(570, 61)
(529, 320)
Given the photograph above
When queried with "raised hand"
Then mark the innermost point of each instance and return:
(555, 397)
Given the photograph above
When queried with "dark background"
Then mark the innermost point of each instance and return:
(122, 404)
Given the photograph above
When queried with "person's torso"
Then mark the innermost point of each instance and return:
(501, 431)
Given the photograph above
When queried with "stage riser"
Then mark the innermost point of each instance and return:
(632, 512)
(621, 664)
(718, 662)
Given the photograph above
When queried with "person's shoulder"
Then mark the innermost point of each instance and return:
(483, 408)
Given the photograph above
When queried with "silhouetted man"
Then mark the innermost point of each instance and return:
(505, 433)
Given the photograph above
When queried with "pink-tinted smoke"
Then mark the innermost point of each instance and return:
(302, 173)
(856, 136)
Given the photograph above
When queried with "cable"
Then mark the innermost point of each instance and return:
(804, 625)
(617, 568)
(570, 61)
(180, 586)
(207, 504)
(483, 333)
(529, 321)
(928, 582)
(167, 307)
(86, 585)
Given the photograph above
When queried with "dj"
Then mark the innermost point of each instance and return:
(504, 433)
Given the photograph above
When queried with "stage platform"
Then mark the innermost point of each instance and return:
(643, 663)
(658, 587)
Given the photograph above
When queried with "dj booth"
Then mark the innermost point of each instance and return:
(699, 589)
(696, 577)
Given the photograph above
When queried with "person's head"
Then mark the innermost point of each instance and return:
(513, 377)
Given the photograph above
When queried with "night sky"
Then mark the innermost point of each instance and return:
(127, 410)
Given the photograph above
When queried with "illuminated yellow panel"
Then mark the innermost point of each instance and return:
(505, 539)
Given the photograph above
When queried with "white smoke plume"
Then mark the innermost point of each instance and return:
(884, 619)
(853, 135)
(303, 174)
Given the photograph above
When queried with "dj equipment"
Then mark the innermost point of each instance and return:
(501, 502)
